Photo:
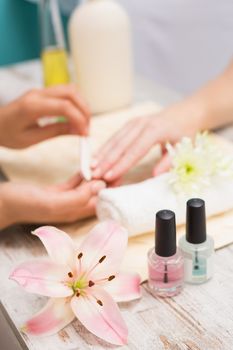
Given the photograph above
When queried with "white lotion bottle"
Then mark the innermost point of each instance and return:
(100, 42)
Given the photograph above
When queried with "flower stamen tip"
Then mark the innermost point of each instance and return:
(77, 294)
(91, 283)
(110, 278)
(102, 259)
(99, 302)
(70, 274)
(80, 256)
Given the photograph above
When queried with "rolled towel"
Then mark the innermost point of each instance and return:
(134, 206)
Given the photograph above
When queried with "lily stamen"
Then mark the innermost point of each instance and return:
(70, 274)
(102, 259)
(99, 302)
(110, 278)
(80, 255)
(91, 283)
(93, 268)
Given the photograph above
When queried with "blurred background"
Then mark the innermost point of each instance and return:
(180, 44)
(20, 39)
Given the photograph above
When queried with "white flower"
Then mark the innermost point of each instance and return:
(195, 164)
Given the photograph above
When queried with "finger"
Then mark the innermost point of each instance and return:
(111, 143)
(69, 92)
(116, 183)
(163, 165)
(37, 134)
(82, 213)
(114, 154)
(73, 214)
(69, 205)
(87, 190)
(74, 181)
(70, 184)
(89, 209)
(49, 106)
(133, 154)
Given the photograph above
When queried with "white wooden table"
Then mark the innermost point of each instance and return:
(200, 318)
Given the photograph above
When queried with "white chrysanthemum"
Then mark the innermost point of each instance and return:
(194, 164)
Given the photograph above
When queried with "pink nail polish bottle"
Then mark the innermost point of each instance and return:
(165, 262)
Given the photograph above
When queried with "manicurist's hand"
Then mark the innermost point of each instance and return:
(19, 126)
(68, 202)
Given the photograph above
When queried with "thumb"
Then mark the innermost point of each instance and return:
(163, 165)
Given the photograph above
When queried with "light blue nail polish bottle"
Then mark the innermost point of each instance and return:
(197, 248)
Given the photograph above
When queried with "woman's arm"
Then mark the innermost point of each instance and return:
(214, 101)
(208, 108)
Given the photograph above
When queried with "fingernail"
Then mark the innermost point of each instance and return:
(96, 173)
(94, 163)
(108, 175)
(98, 186)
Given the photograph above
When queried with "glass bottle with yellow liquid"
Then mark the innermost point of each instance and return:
(53, 54)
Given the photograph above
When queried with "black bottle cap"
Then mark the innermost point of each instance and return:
(195, 221)
(165, 238)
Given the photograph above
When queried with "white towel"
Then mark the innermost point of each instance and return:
(134, 206)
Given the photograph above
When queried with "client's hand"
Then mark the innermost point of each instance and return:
(19, 126)
(22, 203)
(209, 107)
(137, 137)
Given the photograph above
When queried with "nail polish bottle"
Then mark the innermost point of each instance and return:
(165, 263)
(197, 248)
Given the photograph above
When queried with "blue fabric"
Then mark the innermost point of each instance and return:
(19, 32)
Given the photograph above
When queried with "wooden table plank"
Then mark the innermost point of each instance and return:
(201, 317)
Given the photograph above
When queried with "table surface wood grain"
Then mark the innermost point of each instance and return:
(200, 318)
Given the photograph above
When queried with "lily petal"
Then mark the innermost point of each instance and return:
(105, 320)
(43, 277)
(54, 316)
(58, 244)
(125, 287)
(107, 241)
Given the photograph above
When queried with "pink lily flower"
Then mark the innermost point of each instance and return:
(83, 283)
